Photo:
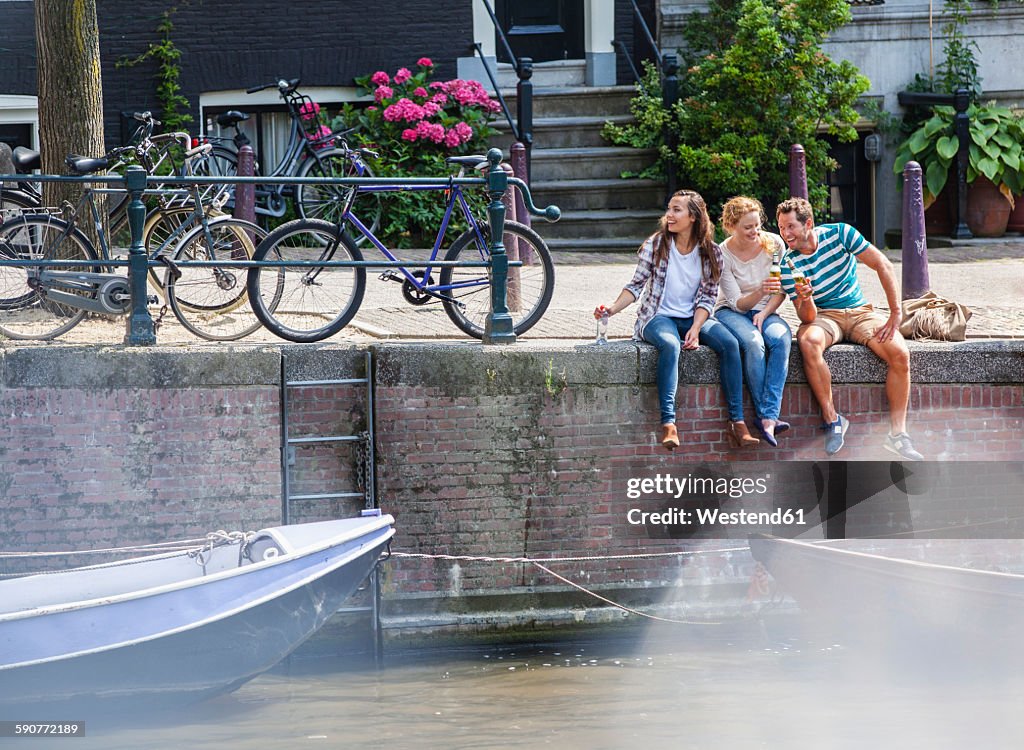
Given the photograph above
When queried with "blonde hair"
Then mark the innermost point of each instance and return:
(738, 207)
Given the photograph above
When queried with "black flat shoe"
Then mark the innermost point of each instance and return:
(767, 436)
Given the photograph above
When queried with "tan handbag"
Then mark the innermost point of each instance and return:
(935, 318)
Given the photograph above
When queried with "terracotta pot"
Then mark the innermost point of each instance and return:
(938, 217)
(1016, 222)
(987, 210)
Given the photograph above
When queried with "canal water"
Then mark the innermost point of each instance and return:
(758, 684)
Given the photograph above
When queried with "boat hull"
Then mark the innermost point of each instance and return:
(172, 665)
(903, 606)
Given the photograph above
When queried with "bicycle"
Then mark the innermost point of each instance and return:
(312, 302)
(40, 302)
(312, 150)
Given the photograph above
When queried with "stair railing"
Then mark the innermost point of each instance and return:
(522, 129)
(668, 67)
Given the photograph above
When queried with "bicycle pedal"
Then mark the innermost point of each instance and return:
(390, 275)
(152, 299)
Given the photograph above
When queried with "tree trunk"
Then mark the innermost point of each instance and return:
(70, 90)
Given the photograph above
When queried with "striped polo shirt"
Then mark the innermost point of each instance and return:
(831, 269)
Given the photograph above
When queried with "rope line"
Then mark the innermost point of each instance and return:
(533, 560)
(214, 537)
(540, 565)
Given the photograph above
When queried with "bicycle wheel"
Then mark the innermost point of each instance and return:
(529, 286)
(220, 162)
(160, 227)
(306, 303)
(27, 311)
(327, 201)
(14, 204)
(211, 301)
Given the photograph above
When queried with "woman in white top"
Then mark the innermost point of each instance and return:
(676, 282)
(747, 300)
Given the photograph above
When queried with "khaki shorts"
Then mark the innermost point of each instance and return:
(856, 324)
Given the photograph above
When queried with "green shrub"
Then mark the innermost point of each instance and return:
(414, 124)
(756, 82)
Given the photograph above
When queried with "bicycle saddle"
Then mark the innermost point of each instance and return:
(232, 117)
(85, 165)
(25, 159)
(474, 162)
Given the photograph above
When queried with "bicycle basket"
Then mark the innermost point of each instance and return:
(313, 122)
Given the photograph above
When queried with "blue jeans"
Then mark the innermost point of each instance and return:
(666, 334)
(765, 357)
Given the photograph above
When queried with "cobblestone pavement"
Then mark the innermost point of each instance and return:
(987, 276)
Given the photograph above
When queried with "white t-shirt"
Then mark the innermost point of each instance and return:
(682, 278)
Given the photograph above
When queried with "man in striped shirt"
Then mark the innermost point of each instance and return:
(832, 308)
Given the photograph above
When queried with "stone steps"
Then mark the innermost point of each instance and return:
(574, 168)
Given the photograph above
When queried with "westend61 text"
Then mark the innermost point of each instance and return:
(716, 517)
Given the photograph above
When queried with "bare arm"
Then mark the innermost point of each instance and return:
(875, 260)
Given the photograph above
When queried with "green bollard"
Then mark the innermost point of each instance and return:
(498, 328)
(139, 327)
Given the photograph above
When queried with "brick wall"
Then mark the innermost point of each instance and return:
(521, 451)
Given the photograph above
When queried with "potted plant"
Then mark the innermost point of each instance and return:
(994, 166)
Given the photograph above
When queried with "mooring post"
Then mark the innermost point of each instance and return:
(498, 326)
(962, 127)
(797, 172)
(915, 240)
(139, 326)
(245, 194)
(524, 108)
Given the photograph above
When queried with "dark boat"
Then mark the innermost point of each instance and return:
(899, 605)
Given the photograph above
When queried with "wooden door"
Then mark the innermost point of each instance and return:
(543, 30)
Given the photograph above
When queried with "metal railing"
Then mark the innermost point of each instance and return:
(522, 128)
(140, 325)
(668, 67)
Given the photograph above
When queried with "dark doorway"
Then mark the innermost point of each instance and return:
(19, 134)
(543, 30)
(850, 186)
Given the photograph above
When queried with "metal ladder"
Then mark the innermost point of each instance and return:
(366, 438)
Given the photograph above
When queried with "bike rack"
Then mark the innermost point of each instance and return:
(140, 330)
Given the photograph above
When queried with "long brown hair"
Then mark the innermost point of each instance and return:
(702, 232)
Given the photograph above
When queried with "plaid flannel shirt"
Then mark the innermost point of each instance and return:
(648, 285)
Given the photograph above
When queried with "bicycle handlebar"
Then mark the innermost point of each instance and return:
(281, 85)
(146, 117)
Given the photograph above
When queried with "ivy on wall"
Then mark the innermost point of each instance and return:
(166, 55)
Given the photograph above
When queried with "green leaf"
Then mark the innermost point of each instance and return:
(989, 168)
(947, 146)
(935, 177)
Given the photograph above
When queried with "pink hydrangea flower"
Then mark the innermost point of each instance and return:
(382, 93)
(371, 108)
(380, 78)
(404, 109)
(420, 91)
(425, 62)
(464, 131)
(431, 131)
(439, 98)
(451, 139)
(403, 75)
(409, 134)
(431, 108)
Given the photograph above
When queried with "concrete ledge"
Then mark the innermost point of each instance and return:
(467, 366)
(535, 364)
(104, 367)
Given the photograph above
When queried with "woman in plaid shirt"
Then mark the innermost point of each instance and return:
(676, 281)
